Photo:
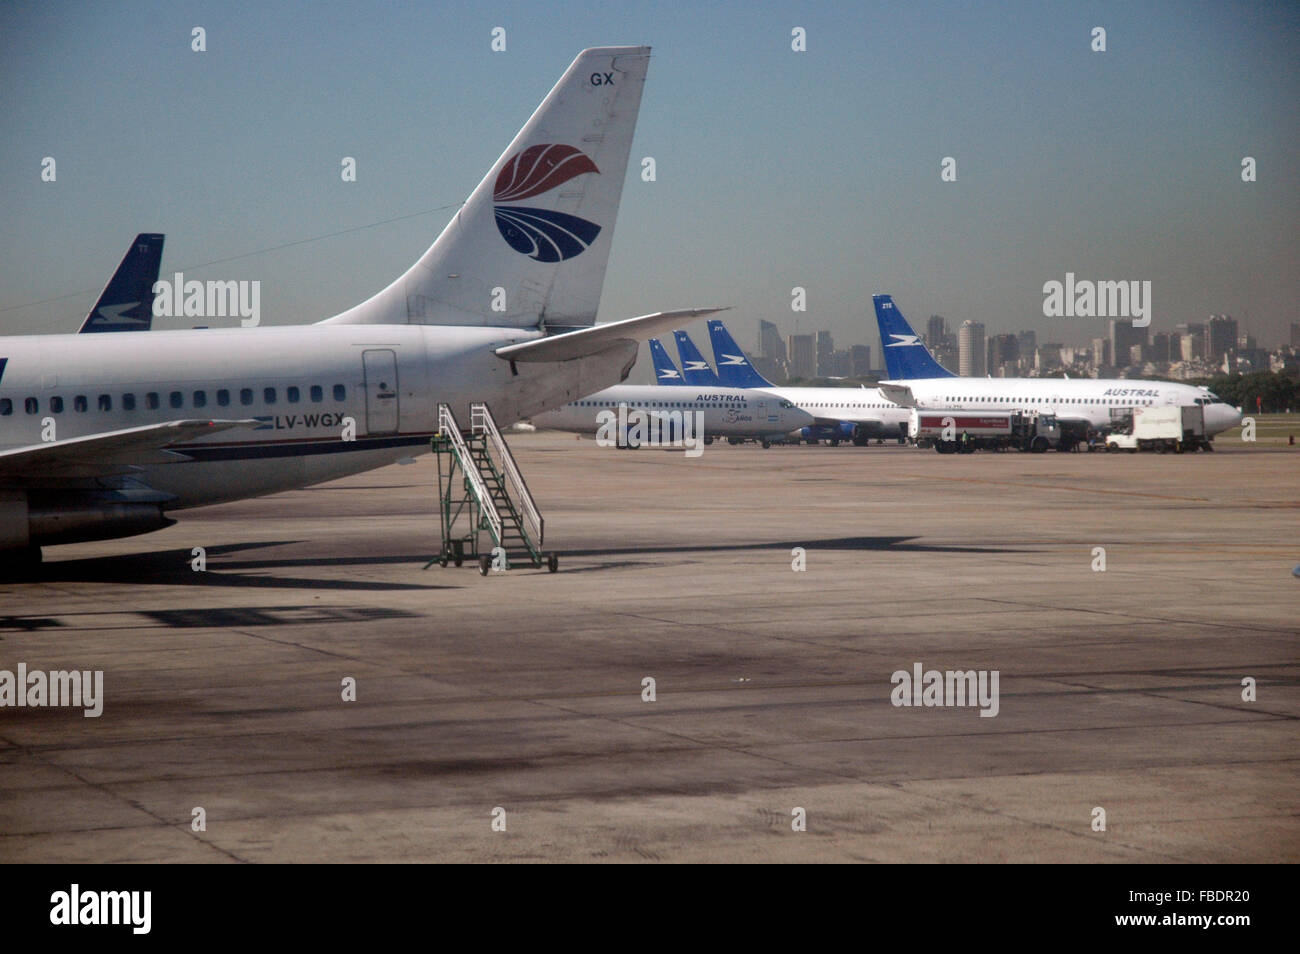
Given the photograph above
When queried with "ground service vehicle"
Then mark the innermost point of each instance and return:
(959, 432)
(1162, 428)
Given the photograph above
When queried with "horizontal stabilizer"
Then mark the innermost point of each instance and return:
(900, 394)
(598, 338)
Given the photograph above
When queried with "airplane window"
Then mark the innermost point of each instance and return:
(291, 395)
(317, 393)
(105, 402)
(128, 402)
(223, 397)
(151, 399)
(31, 405)
(80, 404)
(268, 395)
(245, 396)
(200, 398)
(56, 405)
(340, 392)
(176, 399)
(6, 407)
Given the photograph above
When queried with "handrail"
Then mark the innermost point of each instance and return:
(449, 430)
(481, 422)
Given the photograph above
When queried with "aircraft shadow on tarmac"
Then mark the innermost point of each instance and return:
(172, 568)
(881, 544)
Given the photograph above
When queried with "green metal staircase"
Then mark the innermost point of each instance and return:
(480, 489)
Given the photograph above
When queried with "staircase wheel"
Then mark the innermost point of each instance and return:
(458, 560)
(552, 562)
(484, 564)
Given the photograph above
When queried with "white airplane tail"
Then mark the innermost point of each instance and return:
(530, 246)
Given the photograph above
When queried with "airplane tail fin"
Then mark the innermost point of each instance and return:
(529, 247)
(695, 369)
(126, 303)
(665, 371)
(734, 368)
(906, 356)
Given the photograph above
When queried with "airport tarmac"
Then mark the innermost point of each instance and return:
(1118, 689)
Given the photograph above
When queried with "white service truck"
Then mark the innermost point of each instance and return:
(1162, 428)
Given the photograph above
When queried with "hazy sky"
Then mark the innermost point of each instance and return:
(775, 168)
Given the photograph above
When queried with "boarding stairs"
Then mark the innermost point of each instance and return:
(480, 490)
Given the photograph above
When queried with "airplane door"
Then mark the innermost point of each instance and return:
(380, 368)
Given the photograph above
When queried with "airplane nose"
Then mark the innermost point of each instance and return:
(1221, 417)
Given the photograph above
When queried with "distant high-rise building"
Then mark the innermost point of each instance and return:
(970, 349)
(1048, 356)
(1295, 334)
(1101, 353)
(1003, 350)
(803, 356)
(861, 359)
(825, 349)
(770, 342)
(1123, 336)
(1027, 341)
(774, 369)
(1160, 348)
(1191, 341)
(936, 330)
(1220, 337)
(840, 364)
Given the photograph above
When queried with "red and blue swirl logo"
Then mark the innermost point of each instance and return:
(541, 234)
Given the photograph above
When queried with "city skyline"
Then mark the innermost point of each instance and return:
(776, 169)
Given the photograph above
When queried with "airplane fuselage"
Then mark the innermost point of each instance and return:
(854, 405)
(1089, 399)
(330, 400)
(727, 412)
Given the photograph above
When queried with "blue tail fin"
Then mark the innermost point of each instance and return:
(126, 304)
(733, 364)
(695, 369)
(665, 371)
(906, 356)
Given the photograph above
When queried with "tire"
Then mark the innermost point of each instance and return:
(1111, 447)
(766, 443)
(552, 562)
(1039, 446)
(484, 564)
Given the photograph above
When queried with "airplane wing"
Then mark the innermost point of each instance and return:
(597, 338)
(112, 452)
